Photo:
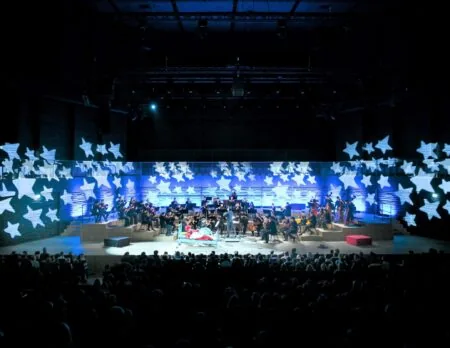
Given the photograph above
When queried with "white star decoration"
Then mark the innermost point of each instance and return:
(423, 182)
(115, 150)
(66, 198)
(445, 186)
(446, 149)
(224, 184)
(11, 150)
(48, 155)
(5, 205)
(408, 167)
(427, 150)
(130, 185)
(383, 181)
(350, 149)
(88, 189)
(47, 193)
(34, 216)
(383, 145)
(5, 193)
(368, 147)
(117, 182)
(370, 199)
(404, 194)
(13, 230)
(281, 190)
(447, 207)
(51, 214)
(164, 187)
(24, 187)
(87, 148)
(101, 176)
(102, 149)
(366, 180)
(430, 208)
(410, 219)
(348, 180)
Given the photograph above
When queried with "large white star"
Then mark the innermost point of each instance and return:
(115, 150)
(66, 198)
(280, 191)
(5, 205)
(241, 176)
(52, 215)
(88, 189)
(47, 193)
(224, 184)
(366, 181)
(178, 177)
(445, 186)
(410, 219)
(49, 171)
(48, 155)
(34, 216)
(350, 149)
(164, 187)
(383, 181)
(348, 180)
(408, 167)
(430, 208)
(383, 145)
(101, 176)
(276, 168)
(371, 199)
(404, 194)
(11, 150)
(427, 150)
(12, 230)
(24, 187)
(5, 193)
(102, 149)
(299, 179)
(431, 165)
(447, 207)
(368, 147)
(190, 190)
(446, 149)
(87, 148)
(311, 179)
(423, 182)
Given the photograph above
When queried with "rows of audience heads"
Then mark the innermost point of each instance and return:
(226, 300)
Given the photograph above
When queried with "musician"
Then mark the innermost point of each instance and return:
(96, 211)
(174, 204)
(170, 222)
(258, 221)
(251, 208)
(287, 210)
(244, 223)
(273, 210)
(237, 208)
(270, 229)
(230, 225)
(311, 224)
(148, 215)
(292, 230)
(120, 204)
(233, 197)
(245, 205)
(131, 213)
(162, 223)
(339, 206)
(350, 209)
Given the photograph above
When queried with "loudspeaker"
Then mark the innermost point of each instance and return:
(117, 242)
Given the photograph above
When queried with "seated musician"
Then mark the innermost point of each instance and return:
(233, 197)
(270, 228)
(237, 208)
(287, 210)
(120, 204)
(174, 204)
(103, 210)
(244, 205)
(292, 230)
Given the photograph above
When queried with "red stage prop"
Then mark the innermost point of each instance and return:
(358, 240)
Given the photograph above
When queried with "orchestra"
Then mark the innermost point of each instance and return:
(231, 217)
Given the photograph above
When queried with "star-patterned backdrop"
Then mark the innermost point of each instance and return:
(40, 195)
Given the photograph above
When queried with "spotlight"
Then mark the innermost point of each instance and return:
(435, 195)
(153, 107)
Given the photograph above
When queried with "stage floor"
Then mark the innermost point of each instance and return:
(253, 245)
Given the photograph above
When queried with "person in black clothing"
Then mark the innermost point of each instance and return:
(244, 223)
(292, 231)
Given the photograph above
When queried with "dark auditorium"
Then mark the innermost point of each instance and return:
(224, 174)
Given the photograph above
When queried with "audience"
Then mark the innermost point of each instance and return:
(187, 300)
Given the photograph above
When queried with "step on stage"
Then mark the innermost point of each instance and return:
(338, 232)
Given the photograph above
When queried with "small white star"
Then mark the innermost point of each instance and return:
(51, 214)
(88, 189)
(12, 230)
(47, 194)
(366, 181)
(87, 148)
(445, 186)
(5, 205)
(224, 184)
(30, 154)
(383, 145)
(370, 199)
(430, 208)
(190, 190)
(447, 207)
(299, 179)
(348, 180)
(350, 149)
(24, 187)
(66, 173)
(404, 194)
(164, 187)
(408, 167)
(427, 150)
(48, 155)
(410, 219)
(115, 150)
(101, 176)
(336, 168)
(383, 181)
(4, 193)
(152, 179)
(281, 191)
(117, 182)
(311, 179)
(130, 185)
(368, 147)
(446, 149)
(34, 216)
(102, 149)
(66, 198)
(268, 180)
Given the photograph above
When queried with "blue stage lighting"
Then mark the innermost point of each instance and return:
(153, 107)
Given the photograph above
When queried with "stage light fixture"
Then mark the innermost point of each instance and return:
(153, 107)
